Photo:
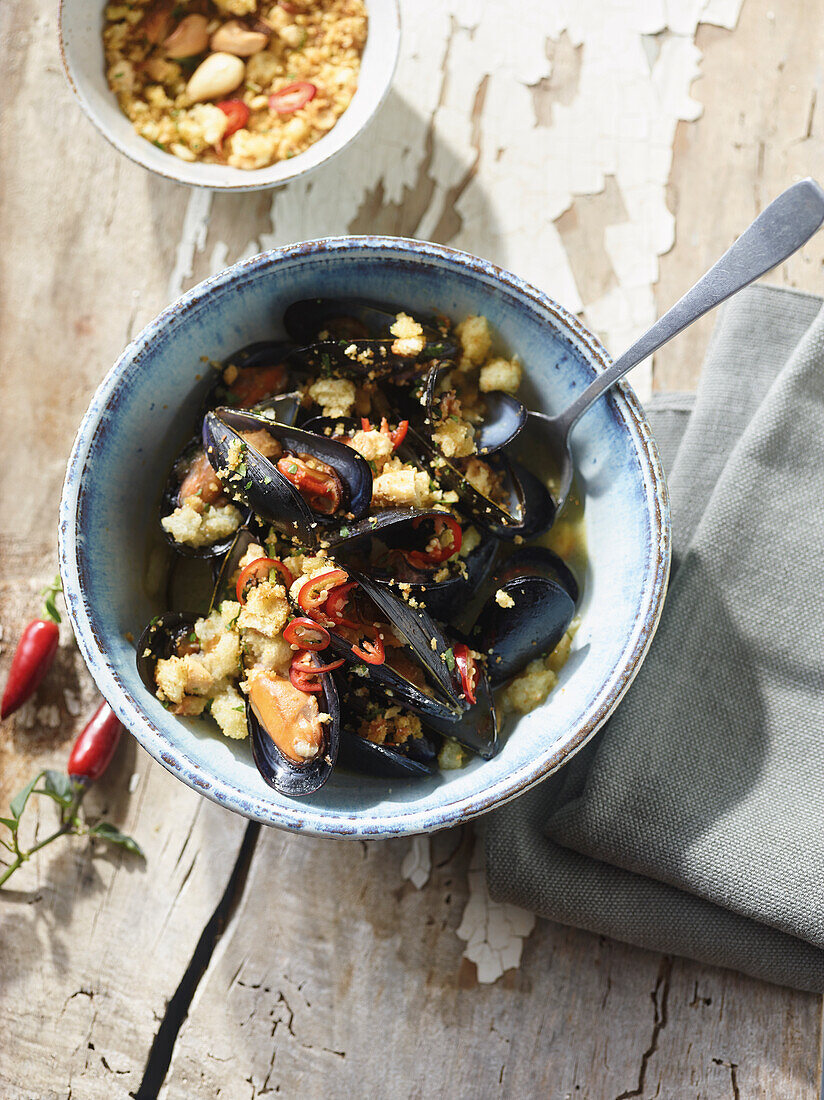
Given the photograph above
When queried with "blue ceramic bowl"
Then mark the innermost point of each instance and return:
(144, 410)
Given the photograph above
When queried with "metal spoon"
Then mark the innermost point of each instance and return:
(778, 231)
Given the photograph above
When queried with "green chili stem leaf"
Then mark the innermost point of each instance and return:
(10, 823)
(104, 830)
(59, 787)
(18, 803)
(49, 593)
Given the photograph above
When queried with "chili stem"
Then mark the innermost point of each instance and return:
(69, 826)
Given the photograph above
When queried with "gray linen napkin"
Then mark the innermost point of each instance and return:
(692, 824)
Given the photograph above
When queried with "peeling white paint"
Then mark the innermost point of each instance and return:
(460, 127)
(417, 863)
(192, 239)
(494, 931)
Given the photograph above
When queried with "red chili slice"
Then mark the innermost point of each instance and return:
(399, 434)
(468, 669)
(423, 559)
(335, 603)
(372, 650)
(302, 676)
(299, 662)
(292, 97)
(320, 489)
(236, 112)
(303, 682)
(259, 570)
(306, 634)
(315, 590)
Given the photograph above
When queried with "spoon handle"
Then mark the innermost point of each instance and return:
(778, 231)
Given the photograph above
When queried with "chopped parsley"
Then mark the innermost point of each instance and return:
(449, 657)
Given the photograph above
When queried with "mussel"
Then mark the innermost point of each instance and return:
(295, 735)
(360, 319)
(252, 375)
(504, 416)
(307, 483)
(416, 673)
(528, 614)
(193, 479)
(402, 534)
(167, 635)
(414, 759)
(524, 507)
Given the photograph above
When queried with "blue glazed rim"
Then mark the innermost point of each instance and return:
(298, 817)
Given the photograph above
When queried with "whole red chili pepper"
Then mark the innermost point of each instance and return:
(95, 746)
(33, 656)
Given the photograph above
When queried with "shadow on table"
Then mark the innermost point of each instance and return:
(397, 178)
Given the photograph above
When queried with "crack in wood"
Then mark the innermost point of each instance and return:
(660, 996)
(163, 1044)
(733, 1068)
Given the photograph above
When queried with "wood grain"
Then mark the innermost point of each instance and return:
(335, 977)
(740, 154)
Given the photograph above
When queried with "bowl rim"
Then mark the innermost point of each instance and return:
(240, 180)
(300, 816)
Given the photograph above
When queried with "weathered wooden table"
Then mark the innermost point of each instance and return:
(568, 142)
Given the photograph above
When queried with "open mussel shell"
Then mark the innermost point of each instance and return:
(503, 420)
(170, 500)
(224, 573)
(532, 627)
(261, 371)
(529, 508)
(356, 359)
(260, 485)
(416, 759)
(437, 693)
(476, 726)
(542, 562)
(281, 773)
(442, 598)
(159, 641)
(360, 319)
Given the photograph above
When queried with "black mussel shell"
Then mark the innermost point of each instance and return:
(263, 370)
(514, 636)
(169, 501)
(270, 495)
(542, 562)
(159, 641)
(361, 319)
(441, 697)
(504, 415)
(286, 777)
(529, 511)
(283, 408)
(360, 755)
(416, 759)
(476, 726)
(190, 581)
(443, 598)
(223, 589)
(353, 359)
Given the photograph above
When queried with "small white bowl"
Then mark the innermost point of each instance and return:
(81, 47)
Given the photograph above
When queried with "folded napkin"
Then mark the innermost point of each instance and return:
(692, 823)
